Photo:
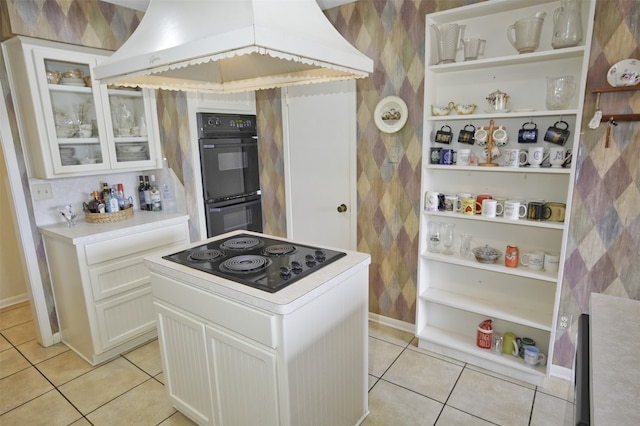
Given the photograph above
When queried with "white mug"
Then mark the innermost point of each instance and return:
(532, 356)
(500, 205)
(461, 196)
(515, 158)
(558, 155)
(490, 208)
(536, 156)
(431, 200)
(500, 136)
(481, 136)
(551, 262)
(514, 210)
(451, 203)
(533, 260)
(463, 157)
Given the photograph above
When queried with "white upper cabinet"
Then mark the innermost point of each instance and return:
(69, 124)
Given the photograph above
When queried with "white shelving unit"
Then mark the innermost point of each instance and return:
(456, 293)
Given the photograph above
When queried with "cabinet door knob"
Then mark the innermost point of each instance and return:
(342, 208)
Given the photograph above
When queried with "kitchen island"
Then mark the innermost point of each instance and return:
(237, 355)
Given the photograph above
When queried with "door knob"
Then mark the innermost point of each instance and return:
(342, 208)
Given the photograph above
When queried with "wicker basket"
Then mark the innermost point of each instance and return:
(109, 217)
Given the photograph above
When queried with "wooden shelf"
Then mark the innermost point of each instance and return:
(617, 117)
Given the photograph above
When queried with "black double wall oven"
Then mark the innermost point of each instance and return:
(230, 175)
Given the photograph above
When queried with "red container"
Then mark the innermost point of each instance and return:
(485, 334)
(511, 257)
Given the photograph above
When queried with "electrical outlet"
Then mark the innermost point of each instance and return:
(564, 321)
(42, 191)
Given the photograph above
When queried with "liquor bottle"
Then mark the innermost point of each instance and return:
(167, 191)
(120, 195)
(143, 205)
(112, 202)
(156, 203)
(147, 194)
(105, 191)
(94, 205)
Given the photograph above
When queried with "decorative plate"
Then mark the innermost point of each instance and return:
(391, 114)
(624, 73)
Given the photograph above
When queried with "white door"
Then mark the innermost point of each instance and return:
(320, 163)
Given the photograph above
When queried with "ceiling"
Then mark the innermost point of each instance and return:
(142, 4)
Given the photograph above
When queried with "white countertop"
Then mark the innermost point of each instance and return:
(614, 333)
(281, 302)
(85, 232)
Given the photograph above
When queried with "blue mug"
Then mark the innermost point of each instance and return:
(446, 157)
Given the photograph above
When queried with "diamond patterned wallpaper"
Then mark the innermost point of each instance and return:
(604, 241)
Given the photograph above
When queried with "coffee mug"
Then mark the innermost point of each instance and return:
(558, 156)
(451, 203)
(446, 157)
(551, 262)
(464, 157)
(558, 211)
(520, 343)
(500, 205)
(507, 343)
(466, 134)
(462, 196)
(431, 201)
(481, 137)
(479, 199)
(490, 208)
(444, 135)
(538, 211)
(532, 356)
(558, 133)
(468, 206)
(528, 135)
(515, 158)
(435, 155)
(500, 136)
(514, 210)
(536, 156)
(441, 205)
(533, 260)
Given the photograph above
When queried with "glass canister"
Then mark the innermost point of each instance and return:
(567, 24)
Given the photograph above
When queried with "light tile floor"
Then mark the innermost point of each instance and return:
(407, 386)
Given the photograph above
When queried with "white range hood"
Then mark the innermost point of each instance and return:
(227, 46)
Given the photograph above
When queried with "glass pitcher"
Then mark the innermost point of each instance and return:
(447, 40)
(567, 24)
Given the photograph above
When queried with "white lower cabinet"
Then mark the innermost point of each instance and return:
(101, 287)
(240, 387)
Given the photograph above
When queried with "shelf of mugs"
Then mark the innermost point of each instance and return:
(521, 271)
(512, 312)
(498, 219)
(501, 169)
(464, 344)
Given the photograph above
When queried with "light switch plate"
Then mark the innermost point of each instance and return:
(42, 191)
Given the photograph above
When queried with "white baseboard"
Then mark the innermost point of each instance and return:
(561, 372)
(392, 322)
(24, 297)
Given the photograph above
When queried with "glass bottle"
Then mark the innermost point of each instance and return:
(567, 24)
(156, 202)
(143, 205)
(120, 195)
(147, 194)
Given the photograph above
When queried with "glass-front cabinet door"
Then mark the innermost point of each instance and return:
(72, 109)
(128, 125)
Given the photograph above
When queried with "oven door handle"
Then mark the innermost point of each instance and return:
(227, 145)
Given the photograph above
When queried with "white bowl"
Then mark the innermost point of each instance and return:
(130, 148)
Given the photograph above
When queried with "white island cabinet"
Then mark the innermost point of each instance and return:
(101, 287)
(236, 355)
(71, 125)
(455, 292)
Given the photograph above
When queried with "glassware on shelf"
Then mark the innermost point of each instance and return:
(465, 245)
(434, 237)
(447, 237)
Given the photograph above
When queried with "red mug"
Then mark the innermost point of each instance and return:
(479, 200)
